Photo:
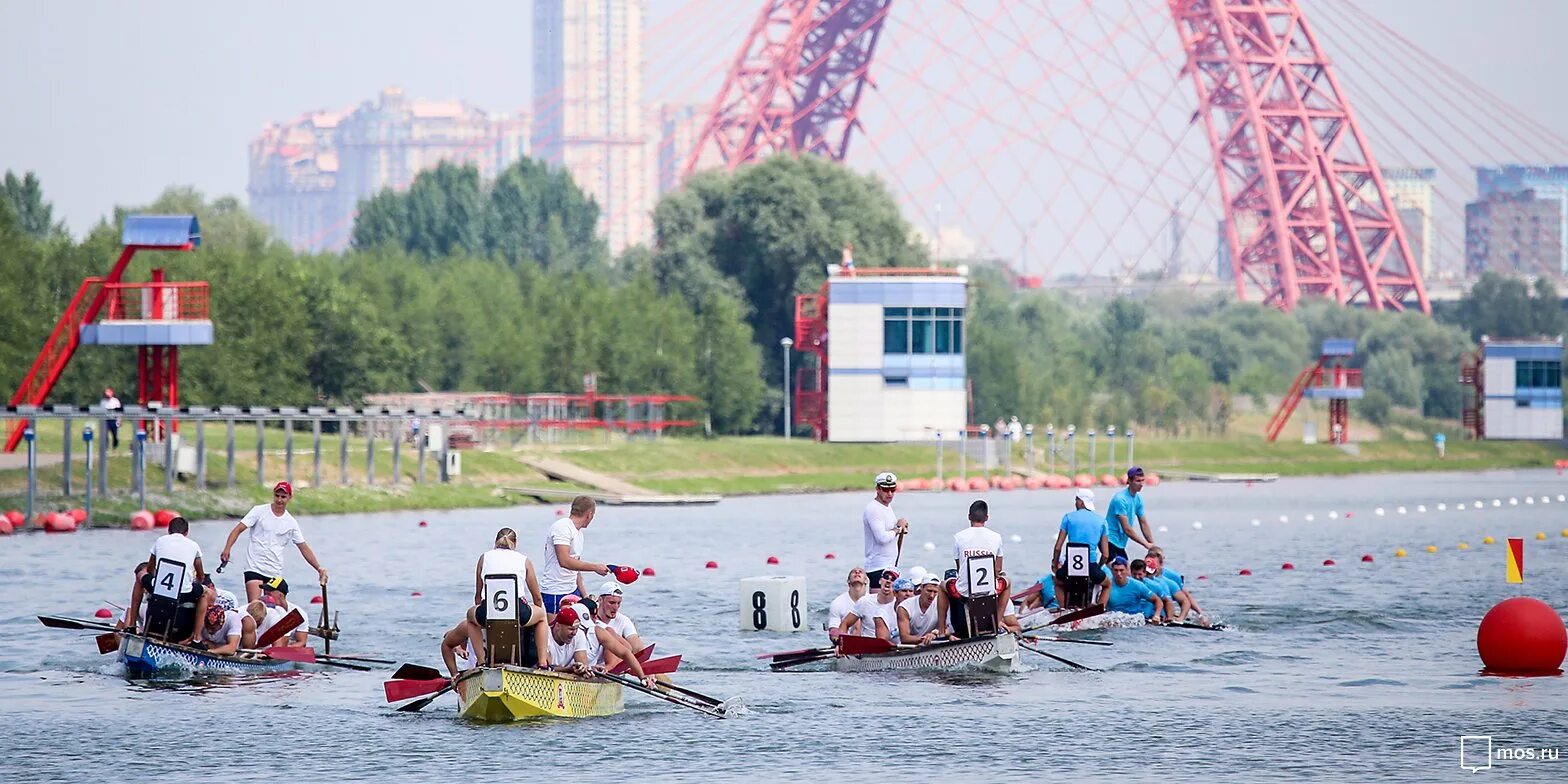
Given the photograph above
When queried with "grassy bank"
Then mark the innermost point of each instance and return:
(727, 466)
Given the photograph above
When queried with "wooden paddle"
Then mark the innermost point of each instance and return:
(76, 624)
(857, 646)
(636, 685)
(1077, 615)
(1065, 639)
(643, 657)
(108, 642)
(419, 704)
(714, 701)
(417, 672)
(1068, 662)
(287, 624)
(795, 654)
(406, 689)
(365, 659)
(1218, 627)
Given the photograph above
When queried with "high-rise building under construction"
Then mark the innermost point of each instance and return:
(588, 108)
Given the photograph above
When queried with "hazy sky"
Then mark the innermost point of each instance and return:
(109, 102)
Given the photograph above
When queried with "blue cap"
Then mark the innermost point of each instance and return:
(903, 584)
(1120, 559)
(1134, 471)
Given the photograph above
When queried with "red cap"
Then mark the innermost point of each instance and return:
(285, 487)
(567, 616)
(626, 574)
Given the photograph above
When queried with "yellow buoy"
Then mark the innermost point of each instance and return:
(1399, 553)
(1488, 540)
(1565, 533)
(1464, 546)
(1431, 548)
(1540, 536)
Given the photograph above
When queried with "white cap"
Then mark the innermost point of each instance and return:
(1087, 497)
(931, 579)
(917, 574)
(887, 479)
(609, 587)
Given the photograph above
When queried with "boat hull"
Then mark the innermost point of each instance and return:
(144, 656)
(502, 694)
(993, 654)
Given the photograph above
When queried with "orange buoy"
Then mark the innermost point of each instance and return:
(1152, 480)
(1006, 483)
(15, 517)
(957, 484)
(315, 599)
(647, 571)
(59, 523)
(712, 565)
(78, 514)
(773, 560)
(1522, 636)
(1107, 480)
(141, 521)
(103, 612)
(1034, 483)
(1083, 480)
(5, 526)
(162, 517)
(979, 483)
(914, 484)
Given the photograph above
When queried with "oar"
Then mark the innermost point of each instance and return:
(365, 659)
(643, 659)
(900, 553)
(417, 672)
(419, 705)
(326, 645)
(795, 654)
(406, 689)
(1077, 615)
(76, 624)
(714, 701)
(307, 656)
(1066, 639)
(287, 624)
(1218, 627)
(857, 646)
(1068, 662)
(636, 685)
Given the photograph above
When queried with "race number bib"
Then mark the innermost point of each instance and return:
(1078, 560)
(500, 597)
(980, 575)
(168, 580)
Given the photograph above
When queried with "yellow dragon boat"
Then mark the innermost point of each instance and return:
(508, 693)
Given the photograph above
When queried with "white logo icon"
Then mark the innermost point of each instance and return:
(1475, 752)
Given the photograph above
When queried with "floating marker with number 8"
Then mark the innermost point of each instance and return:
(776, 604)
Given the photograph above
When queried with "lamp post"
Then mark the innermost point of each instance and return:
(1029, 440)
(32, 468)
(87, 454)
(985, 448)
(1129, 448)
(1072, 449)
(1093, 466)
(787, 343)
(1110, 438)
(1050, 448)
(141, 465)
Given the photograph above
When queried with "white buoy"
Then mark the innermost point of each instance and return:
(1378, 511)
(1164, 529)
(1284, 518)
(1497, 502)
(929, 546)
(1561, 498)
(1513, 502)
(1460, 507)
(1478, 504)
(1333, 515)
(1309, 518)
(1442, 507)
(1015, 538)
(1529, 499)
(1546, 499)
(1421, 508)
(1400, 510)
(1256, 521)
(1196, 524)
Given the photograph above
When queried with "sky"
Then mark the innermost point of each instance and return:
(111, 102)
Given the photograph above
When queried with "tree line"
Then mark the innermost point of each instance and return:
(458, 284)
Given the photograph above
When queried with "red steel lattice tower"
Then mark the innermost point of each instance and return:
(1306, 210)
(796, 84)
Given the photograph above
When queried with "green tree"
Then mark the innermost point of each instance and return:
(538, 215)
(25, 197)
(439, 216)
(1395, 374)
(1504, 307)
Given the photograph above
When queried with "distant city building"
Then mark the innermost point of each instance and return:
(679, 126)
(1412, 191)
(1514, 233)
(589, 116)
(1549, 184)
(308, 176)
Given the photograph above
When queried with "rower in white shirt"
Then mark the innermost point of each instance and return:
(917, 615)
(178, 547)
(275, 593)
(608, 613)
(877, 613)
(224, 632)
(844, 603)
(977, 573)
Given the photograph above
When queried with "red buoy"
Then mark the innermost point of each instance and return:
(415, 595)
(5, 526)
(103, 612)
(78, 514)
(1203, 577)
(15, 517)
(1245, 572)
(647, 571)
(59, 523)
(773, 560)
(423, 524)
(162, 517)
(1287, 566)
(1328, 561)
(1522, 636)
(1366, 558)
(829, 557)
(315, 599)
(712, 565)
(141, 521)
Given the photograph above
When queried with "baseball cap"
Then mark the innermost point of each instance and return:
(903, 584)
(891, 572)
(568, 616)
(608, 588)
(1134, 471)
(1119, 559)
(931, 579)
(285, 487)
(1087, 497)
(276, 584)
(887, 479)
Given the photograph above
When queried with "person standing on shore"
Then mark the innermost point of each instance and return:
(111, 417)
(1125, 509)
(883, 529)
(271, 528)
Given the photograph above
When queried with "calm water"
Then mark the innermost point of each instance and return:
(1361, 672)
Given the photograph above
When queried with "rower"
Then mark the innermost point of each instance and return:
(271, 528)
(1154, 564)
(1126, 508)
(1086, 540)
(844, 603)
(136, 611)
(876, 613)
(563, 563)
(1130, 596)
(223, 631)
(883, 530)
(917, 614)
(568, 642)
(976, 595)
(275, 594)
(1041, 595)
(257, 613)
(174, 580)
(1139, 571)
(608, 613)
(498, 624)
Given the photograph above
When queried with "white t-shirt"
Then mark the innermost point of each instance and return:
(868, 609)
(621, 624)
(555, 578)
(881, 543)
(269, 534)
(972, 541)
(180, 548)
(275, 614)
(920, 622)
(840, 607)
(561, 653)
(233, 625)
(508, 562)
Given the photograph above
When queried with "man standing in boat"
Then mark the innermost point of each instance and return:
(976, 580)
(563, 563)
(271, 528)
(1126, 510)
(883, 529)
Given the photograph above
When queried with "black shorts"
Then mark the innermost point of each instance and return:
(525, 611)
(1096, 574)
(1121, 551)
(256, 576)
(189, 597)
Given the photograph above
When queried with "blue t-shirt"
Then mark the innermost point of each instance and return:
(1131, 598)
(1173, 577)
(1127, 505)
(1048, 591)
(1084, 527)
(1157, 585)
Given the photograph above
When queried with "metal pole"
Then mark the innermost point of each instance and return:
(168, 454)
(230, 427)
(66, 474)
(32, 468)
(261, 457)
(786, 343)
(1072, 449)
(1110, 439)
(370, 452)
(103, 459)
(1007, 443)
(939, 450)
(445, 445)
(343, 451)
(87, 455)
(420, 439)
(141, 464)
(201, 453)
(288, 450)
(1050, 449)
(397, 453)
(1093, 465)
(315, 466)
(963, 454)
(1029, 441)
(1129, 448)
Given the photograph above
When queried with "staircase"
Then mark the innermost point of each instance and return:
(56, 353)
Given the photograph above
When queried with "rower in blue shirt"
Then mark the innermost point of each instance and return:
(1154, 563)
(1156, 585)
(1083, 527)
(1130, 596)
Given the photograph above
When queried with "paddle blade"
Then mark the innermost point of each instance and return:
(663, 666)
(303, 655)
(856, 646)
(793, 654)
(416, 672)
(108, 642)
(56, 622)
(406, 689)
(1077, 615)
(287, 624)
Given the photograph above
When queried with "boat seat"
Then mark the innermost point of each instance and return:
(505, 641)
(166, 614)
